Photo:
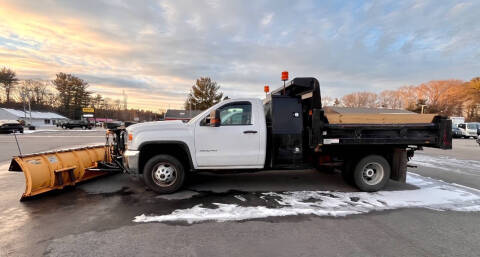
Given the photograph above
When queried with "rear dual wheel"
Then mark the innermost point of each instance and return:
(371, 173)
(164, 174)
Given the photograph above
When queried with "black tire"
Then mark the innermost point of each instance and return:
(371, 173)
(154, 180)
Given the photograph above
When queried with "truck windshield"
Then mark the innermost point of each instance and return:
(472, 126)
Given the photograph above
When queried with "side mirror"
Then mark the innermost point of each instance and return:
(215, 118)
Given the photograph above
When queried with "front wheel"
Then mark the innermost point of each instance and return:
(164, 174)
(371, 173)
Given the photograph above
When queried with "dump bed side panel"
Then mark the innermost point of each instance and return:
(436, 133)
(361, 118)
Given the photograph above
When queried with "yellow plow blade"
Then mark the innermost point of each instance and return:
(54, 170)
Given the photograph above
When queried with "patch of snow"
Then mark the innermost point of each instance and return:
(432, 194)
(34, 114)
(241, 198)
(58, 130)
(446, 163)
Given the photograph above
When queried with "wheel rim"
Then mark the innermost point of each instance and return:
(164, 174)
(372, 173)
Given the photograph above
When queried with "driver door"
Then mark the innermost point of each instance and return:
(236, 142)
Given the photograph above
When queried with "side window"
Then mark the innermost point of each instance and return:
(239, 113)
(461, 126)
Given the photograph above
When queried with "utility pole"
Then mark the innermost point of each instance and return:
(30, 110)
(125, 98)
(24, 107)
(423, 106)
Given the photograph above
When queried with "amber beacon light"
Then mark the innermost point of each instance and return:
(284, 78)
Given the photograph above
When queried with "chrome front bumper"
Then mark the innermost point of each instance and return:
(130, 160)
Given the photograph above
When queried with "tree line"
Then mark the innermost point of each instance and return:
(448, 97)
(66, 95)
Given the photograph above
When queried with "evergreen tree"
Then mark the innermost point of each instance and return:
(203, 94)
(8, 79)
(73, 94)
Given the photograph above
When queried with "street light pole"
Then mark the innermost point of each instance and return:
(423, 106)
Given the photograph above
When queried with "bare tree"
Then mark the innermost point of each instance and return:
(390, 99)
(36, 90)
(327, 101)
(360, 99)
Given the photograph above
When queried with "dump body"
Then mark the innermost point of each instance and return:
(54, 170)
(339, 134)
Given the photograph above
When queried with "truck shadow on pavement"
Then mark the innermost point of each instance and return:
(127, 197)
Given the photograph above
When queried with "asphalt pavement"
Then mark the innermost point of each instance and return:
(98, 218)
(38, 141)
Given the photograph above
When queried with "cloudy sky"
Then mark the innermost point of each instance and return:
(154, 50)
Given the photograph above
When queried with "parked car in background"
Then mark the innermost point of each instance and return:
(77, 124)
(469, 129)
(456, 132)
(60, 123)
(10, 126)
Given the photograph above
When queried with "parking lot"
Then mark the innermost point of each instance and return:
(281, 213)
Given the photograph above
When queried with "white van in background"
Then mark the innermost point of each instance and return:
(469, 129)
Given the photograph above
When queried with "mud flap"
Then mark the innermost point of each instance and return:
(399, 165)
(55, 170)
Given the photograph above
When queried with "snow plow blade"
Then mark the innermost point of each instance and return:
(49, 171)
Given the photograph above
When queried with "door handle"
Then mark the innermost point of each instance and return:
(250, 132)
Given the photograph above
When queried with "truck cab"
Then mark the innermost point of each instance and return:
(237, 141)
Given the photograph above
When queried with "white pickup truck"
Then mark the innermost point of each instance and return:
(288, 130)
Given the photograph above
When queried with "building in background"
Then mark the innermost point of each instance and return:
(37, 119)
(183, 115)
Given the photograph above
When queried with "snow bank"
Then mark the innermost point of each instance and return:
(432, 194)
(446, 163)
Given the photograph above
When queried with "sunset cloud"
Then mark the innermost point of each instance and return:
(154, 50)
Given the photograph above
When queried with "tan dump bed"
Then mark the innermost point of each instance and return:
(383, 118)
